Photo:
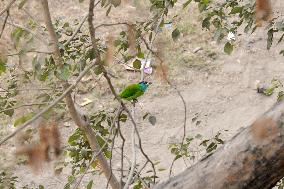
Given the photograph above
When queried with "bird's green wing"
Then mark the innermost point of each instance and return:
(137, 94)
(131, 92)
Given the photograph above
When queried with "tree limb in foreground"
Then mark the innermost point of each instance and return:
(252, 159)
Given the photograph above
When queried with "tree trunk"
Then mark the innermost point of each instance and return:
(252, 159)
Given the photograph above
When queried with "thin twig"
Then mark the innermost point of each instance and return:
(111, 154)
(132, 120)
(36, 35)
(112, 24)
(54, 103)
(133, 165)
(95, 156)
(113, 180)
(5, 21)
(105, 74)
(152, 41)
(7, 7)
(31, 51)
(52, 33)
(77, 30)
(122, 150)
(140, 170)
(22, 105)
(177, 91)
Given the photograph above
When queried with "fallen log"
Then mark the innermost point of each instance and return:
(252, 159)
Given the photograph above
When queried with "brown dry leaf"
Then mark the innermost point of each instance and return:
(263, 11)
(36, 155)
(49, 139)
(110, 51)
(44, 141)
(3, 51)
(162, 72)
(54, 138)
(131, 39)
(162, 69)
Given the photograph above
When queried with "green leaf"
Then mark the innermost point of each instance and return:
(67, 186)
(212, 146)
(140, 55)
(186, 3)
(144, 116)
(236, 10)
(269, 91)
(23, 119)
(108, 10)
(206, 23)
(98, 70)
(151, 36)
(177, 157)
(107, 154)
(161, 169)
(2, 66)
(228, 48)
(123, 117)
(152, 120)
(95, 163)
(22, 3)
(64, 73)
(280, 96)
(175, 34)
(73, 138)
(115, 3)
(91, 54)
(90, 185)
(270, 34)
(137, 64)
(40, 187)
(17, 34)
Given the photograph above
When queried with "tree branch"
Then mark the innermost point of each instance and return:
(38, 115)
(39, 37)
(22, 105)
(51, 31)
(81, 122)
(133, 165)
(5, 21)
(7, 7)
(252, 159)
(77, 30)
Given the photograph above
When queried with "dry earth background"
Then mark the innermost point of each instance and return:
(218, 88)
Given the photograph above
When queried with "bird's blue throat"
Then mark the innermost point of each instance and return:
(143, 86)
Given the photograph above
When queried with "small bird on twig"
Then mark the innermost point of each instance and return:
(133, 91)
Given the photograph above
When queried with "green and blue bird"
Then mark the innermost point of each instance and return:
(133, 91)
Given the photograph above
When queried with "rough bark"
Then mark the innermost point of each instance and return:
(252, 159)
(77, 118)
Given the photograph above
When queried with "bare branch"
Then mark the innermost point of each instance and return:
(133, 165)
(111, 154)
(152, 41)
(98, 153)
(81, 121)
(30, 51)
(5, 21)
(51, 31)
(77, 30)
(178, 92)
(112, 24)
(22, 105)
(7, 7)
(122, 149)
